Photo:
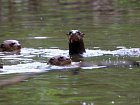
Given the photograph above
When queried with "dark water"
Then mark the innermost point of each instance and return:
(111, 30)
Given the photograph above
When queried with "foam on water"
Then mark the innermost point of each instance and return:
(22, 68)
(89, 53)
(28, 64)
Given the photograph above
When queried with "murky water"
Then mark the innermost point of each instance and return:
(111, 34)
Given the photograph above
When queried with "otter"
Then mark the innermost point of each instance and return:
(76, 43)
(59, 61)
(65, 61)
(10, 46)
(76, 48)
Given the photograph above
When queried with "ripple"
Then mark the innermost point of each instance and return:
(23, 68)
(27, 62)
(43, 52)
(89, 53)
(133, 52)
(38, 37)
(93, 67)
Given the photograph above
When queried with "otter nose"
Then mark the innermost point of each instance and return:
(19, 46)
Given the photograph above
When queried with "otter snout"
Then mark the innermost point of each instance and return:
(75, 36)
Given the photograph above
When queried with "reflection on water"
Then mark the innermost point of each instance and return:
(23, 13)
(111, 30)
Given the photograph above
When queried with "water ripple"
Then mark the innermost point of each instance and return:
(25, 62)
(89, 53)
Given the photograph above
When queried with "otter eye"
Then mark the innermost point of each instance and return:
(67, 59)
(79, 33)
(12, 44)
(51, 59)
(61, 57)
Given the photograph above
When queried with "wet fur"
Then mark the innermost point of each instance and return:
(10, 46)
(59, 61)
(76, 47)
(76, 43)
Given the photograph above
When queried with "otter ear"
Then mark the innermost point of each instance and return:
(2, 45)
(82, 34)
(69, 33)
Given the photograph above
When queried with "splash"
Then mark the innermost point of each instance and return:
(133, 52)
(25, 62)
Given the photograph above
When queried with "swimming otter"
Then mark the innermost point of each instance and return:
(10, 46)
(76, 43)
(59, 61)
(76, 48)
(64, 61)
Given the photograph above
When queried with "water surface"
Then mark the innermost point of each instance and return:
(111, 34)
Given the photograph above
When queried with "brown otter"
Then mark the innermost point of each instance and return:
(10, 46)
(59, 61)
(76, 47)
(64, 61)
(76, 43)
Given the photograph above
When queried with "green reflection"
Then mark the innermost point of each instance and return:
(118, 25)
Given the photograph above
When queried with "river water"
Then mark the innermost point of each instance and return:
(111, 31)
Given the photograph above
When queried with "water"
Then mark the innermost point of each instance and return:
(111, 34)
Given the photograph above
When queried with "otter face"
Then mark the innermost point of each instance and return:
(10, 46)
(59, 61)
(75, 36)
(76, 43)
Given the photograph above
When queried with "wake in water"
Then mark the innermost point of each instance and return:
(25, 62)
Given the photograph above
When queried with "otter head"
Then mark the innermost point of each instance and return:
(76, 43)
(10, 46)
(75, 36)
(59, 61)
